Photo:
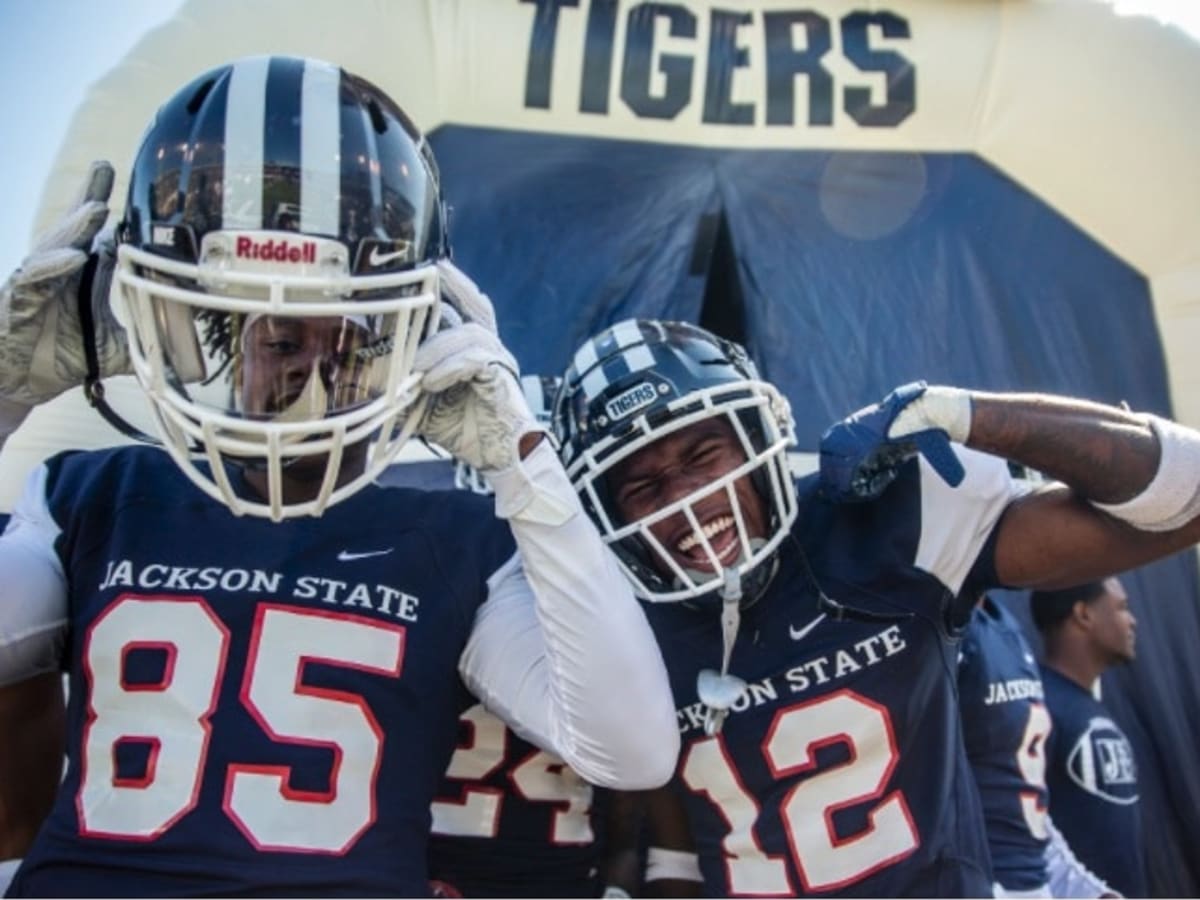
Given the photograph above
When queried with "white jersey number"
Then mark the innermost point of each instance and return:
(1031, 761)
(171, 721)
(539, 778)
(824, 859)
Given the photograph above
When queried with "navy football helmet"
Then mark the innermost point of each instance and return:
(282, 230)
(641, 380)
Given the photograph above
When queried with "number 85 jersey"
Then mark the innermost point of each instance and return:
(841, 768)
(253, 707)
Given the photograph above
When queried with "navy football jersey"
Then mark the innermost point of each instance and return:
(511, 820)
(254, 706)
(1005, 726)
(1092, 778)
(841, 769)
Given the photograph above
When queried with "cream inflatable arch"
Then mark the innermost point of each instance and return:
(1020, 173)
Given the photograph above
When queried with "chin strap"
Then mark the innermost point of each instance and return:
(93, 386)
(718, 691)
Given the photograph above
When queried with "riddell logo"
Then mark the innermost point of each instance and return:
(276, 251)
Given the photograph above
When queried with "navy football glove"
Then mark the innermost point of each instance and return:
(861, 455)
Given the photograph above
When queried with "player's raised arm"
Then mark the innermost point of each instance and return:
(42, 338)
(1128, 488)
(561, 649)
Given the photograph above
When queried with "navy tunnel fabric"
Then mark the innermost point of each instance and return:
(857, 271)
(862, 271)
(568, 235)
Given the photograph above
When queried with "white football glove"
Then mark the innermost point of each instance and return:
(475, 407)
(41, 340)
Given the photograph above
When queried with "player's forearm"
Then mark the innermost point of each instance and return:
(32, 723)
(609, 683)
(1106, 454)
(607, 705)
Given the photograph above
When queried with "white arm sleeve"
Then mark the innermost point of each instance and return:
(956, 521)
(1065, 874)
(563, 653)
(33, 588)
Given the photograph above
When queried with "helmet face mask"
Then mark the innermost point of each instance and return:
(642, 386)
(276, 270)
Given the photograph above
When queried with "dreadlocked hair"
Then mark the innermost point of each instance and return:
(217, 335)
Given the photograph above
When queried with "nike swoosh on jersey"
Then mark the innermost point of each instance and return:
(798, 634)
(348, 556)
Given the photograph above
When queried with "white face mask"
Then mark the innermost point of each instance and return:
(314, 372)
(662, 577)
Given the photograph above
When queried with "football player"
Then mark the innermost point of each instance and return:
(264, 648)
(1090, 766)
(1005, 729)
(809, 629)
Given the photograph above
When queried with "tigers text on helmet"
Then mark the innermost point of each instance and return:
(276, 271)
(643, 381)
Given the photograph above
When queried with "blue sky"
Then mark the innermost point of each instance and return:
(51, 51)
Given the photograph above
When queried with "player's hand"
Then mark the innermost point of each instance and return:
(41, 339)
(476, 409)
(861, 455)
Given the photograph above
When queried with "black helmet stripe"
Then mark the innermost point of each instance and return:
(303, 125)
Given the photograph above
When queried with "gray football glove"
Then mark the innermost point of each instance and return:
(41, 340)
(475, 408)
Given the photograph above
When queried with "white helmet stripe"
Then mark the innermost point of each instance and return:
(638, 358)
(242, 180)
(593, 380)
(320, 151)
(627, 333)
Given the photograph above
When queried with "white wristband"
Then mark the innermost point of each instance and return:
(947, 408)
(1172, 497)
(678, 865)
